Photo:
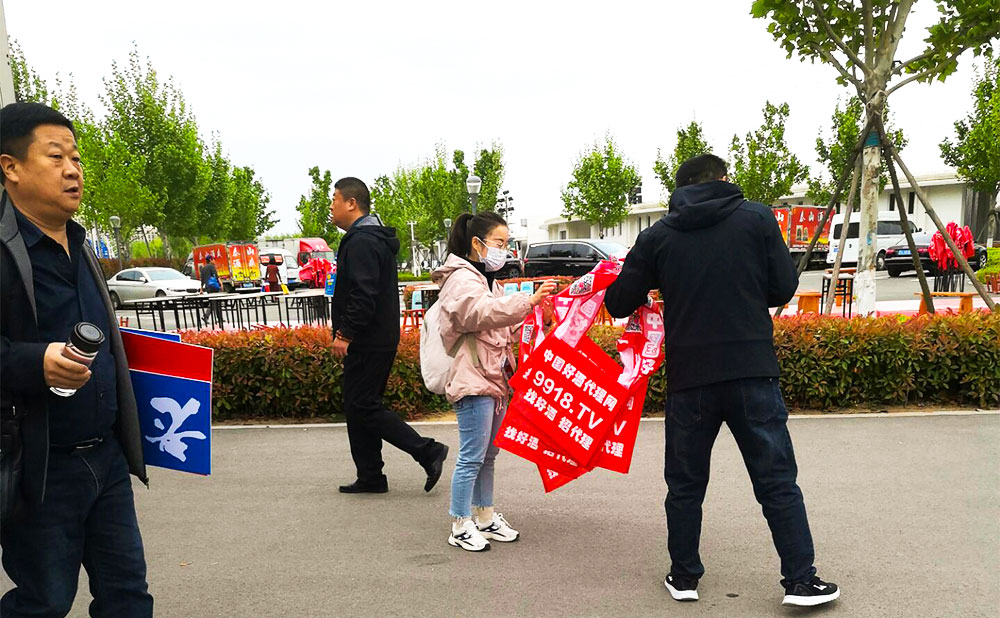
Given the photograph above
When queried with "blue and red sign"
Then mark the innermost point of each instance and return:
(173, 389)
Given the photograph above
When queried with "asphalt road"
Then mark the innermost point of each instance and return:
(886, 288)
(905, 512)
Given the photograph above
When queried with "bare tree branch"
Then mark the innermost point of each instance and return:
(902, 66)
(840, 68)
(821, 17)
(866, 6)
(934, 69)
(894, 32)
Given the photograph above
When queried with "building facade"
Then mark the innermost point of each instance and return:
(950, 196)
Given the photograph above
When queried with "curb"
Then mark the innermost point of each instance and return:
(795, 417)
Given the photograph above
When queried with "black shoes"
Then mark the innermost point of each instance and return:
(811, 593)
(357, 487)
(435, 466)
(433, 469)
(682, 588)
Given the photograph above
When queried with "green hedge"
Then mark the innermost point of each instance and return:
(826, 363)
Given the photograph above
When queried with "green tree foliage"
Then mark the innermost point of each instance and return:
(600, 187)
(690, 143)
(146, 163)
(834, 151)
(859, 38)
(153, 119)
(216, 210)
(762, 164)
(315, 219)
(250, 216)
(433, 191)
(29, 87)
(975, 151)
(489, 167)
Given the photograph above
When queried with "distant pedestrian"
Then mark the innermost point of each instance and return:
(273, 277)
(721, 365)
(476, 323)
(366, 327)
(210, 284)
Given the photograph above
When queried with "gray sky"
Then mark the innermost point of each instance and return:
(363, 87)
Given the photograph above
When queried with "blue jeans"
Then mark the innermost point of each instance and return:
(472, 483)
(88, 518)
(756, 415)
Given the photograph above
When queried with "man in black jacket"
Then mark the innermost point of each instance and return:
(76, 503)
(366, 327)
(719, 262)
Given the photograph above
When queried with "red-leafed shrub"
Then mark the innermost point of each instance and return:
(825, 363)
(292, 373)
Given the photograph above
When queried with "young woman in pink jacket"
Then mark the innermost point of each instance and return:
(477, 323)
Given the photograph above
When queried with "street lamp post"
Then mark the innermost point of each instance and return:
(447, 235)
(413, 250)
(116, 225)
(472, 184)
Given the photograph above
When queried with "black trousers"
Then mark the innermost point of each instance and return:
(756, 415)
(369, 422)
(88, 518)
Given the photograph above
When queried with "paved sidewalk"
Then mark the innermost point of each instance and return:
(905, 512)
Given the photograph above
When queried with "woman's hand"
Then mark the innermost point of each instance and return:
(547, 288)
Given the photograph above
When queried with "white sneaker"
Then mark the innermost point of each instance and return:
(498, 529)
(468, 537)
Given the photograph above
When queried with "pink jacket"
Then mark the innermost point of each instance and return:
(469, 306)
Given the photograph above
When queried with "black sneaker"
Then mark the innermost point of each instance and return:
(682, 588)
(358, 487)
(435, 466)
(807, 594)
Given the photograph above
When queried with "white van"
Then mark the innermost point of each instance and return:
(287, 268)
(889, 232)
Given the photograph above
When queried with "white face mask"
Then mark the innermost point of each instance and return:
(494, 258)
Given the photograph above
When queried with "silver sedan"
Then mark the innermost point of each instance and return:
(134, 283)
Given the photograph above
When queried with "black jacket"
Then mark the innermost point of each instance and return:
(22, 383)
(366, 295)
(719, 262)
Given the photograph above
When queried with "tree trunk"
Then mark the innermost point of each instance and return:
(981, 214)
(864, 279)
(145, 239)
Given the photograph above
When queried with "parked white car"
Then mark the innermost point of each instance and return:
(134, 283)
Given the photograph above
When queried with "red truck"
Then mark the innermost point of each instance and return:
(315, 258)
(237, 263)
(798, 224)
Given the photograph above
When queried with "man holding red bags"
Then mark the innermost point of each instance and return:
(721, 365)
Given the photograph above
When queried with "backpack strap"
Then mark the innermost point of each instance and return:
(468, 338)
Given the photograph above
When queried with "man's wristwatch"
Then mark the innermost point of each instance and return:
(340, 335)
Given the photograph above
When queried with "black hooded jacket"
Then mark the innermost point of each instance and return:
(719, 262)
(366, 295)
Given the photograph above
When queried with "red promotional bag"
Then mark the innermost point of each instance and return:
(574, 408)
